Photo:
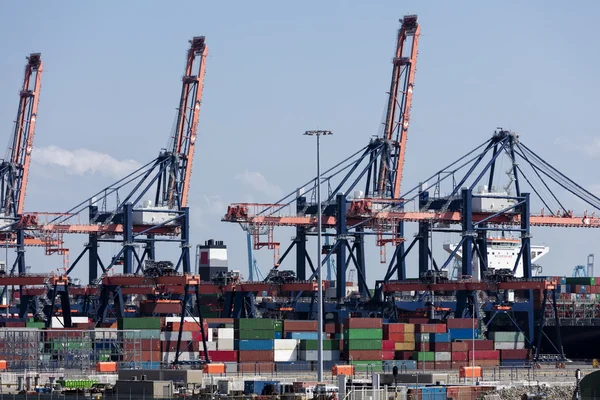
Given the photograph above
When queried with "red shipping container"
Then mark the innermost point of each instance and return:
(460, 346)
(460, 356)
(223, 355)
(363, 323)
(440, 328)
(484, 355)
(151, 345)
(388, 355)
(426, 328)
(255, 355)
(418, 321)
(395, 337)
(460, 364)
(426, 365)
(459, 323)
(404, 355)
(300, 326)
(441, 347)
(257, 367)
(398, 328)
(487, 363)
(329, 328)
(388, 345)
(154, 356)
(480, 344)
(514, 354)
(443, 365)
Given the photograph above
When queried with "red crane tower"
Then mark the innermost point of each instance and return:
(14, 169)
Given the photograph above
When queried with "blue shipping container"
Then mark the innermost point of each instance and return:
(514, 363)
(389, 365)
(303, 335)
(149, 365)
(433, 393)
(439, 337)
(462, 333)
(256, 344)
(278, 335)
(261, 388)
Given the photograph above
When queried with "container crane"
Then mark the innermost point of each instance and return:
(379, 166)
(135, 221)
(14, 169)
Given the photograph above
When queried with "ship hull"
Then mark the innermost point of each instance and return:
(579, 342)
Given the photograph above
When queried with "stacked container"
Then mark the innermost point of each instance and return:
(511, 346)
(255, 344)
(149, 332)
(363, 343)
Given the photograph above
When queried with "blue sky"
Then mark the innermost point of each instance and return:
(275, 69)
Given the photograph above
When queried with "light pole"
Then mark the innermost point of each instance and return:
(318, 134)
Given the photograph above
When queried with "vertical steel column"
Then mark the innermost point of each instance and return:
(21, 251)
(250, 257)
(128, 238)
(92, 247)
(185, 240)
(359, 245)
(526, 255)
(482, 246)
(423, 237)
(301, 253)
(340, 253)
(467, 231)
(400, 260)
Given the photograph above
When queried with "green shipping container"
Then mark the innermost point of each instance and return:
(39, 325)
(363, 334)
(367, 366)
(515, 337)
(278, 325)
(314, 345)
(424, 355)
(255, 323)
(245, 334)
(139, 323)
(143, 334)
(358, 344)
(581, 280)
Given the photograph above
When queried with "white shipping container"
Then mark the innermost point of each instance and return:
(509, 345)
(286, 344)
(209, 336)
(443, 356)
(225, 344)
(58, 322)
(211, 346)
(312, 355)
(105, 333)
(225, 333)
(170, 356)
(285, 355)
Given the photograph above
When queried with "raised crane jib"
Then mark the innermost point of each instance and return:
(398, 108)
(14, 169)
(184, 137)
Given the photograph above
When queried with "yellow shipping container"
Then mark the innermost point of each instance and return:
(407, 346)
(409, 328)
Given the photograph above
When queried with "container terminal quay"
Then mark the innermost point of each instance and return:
(483, 321)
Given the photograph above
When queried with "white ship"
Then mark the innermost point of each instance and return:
(502, 253)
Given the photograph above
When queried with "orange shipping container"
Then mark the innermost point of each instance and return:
(216, 368)
(106, 367)
(3, 365)
(347, 370)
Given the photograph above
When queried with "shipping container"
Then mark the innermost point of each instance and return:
(255, 344)
(254, 324)
(463, 333)
(424, 356)
(300, 326)
(357, 344)
(314, 344)
(255, 355)
(363, 333)
(507, 336)
(352, 323)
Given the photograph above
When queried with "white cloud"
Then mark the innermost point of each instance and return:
(259, 183)
(83, 161)
(209, 208)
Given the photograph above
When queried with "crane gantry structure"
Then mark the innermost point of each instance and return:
(120, 212)
(382, 163)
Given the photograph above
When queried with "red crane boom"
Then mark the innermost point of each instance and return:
(398, 108)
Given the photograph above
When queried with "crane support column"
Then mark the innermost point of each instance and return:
(128, 238)
(423, 236)
(340, 255)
